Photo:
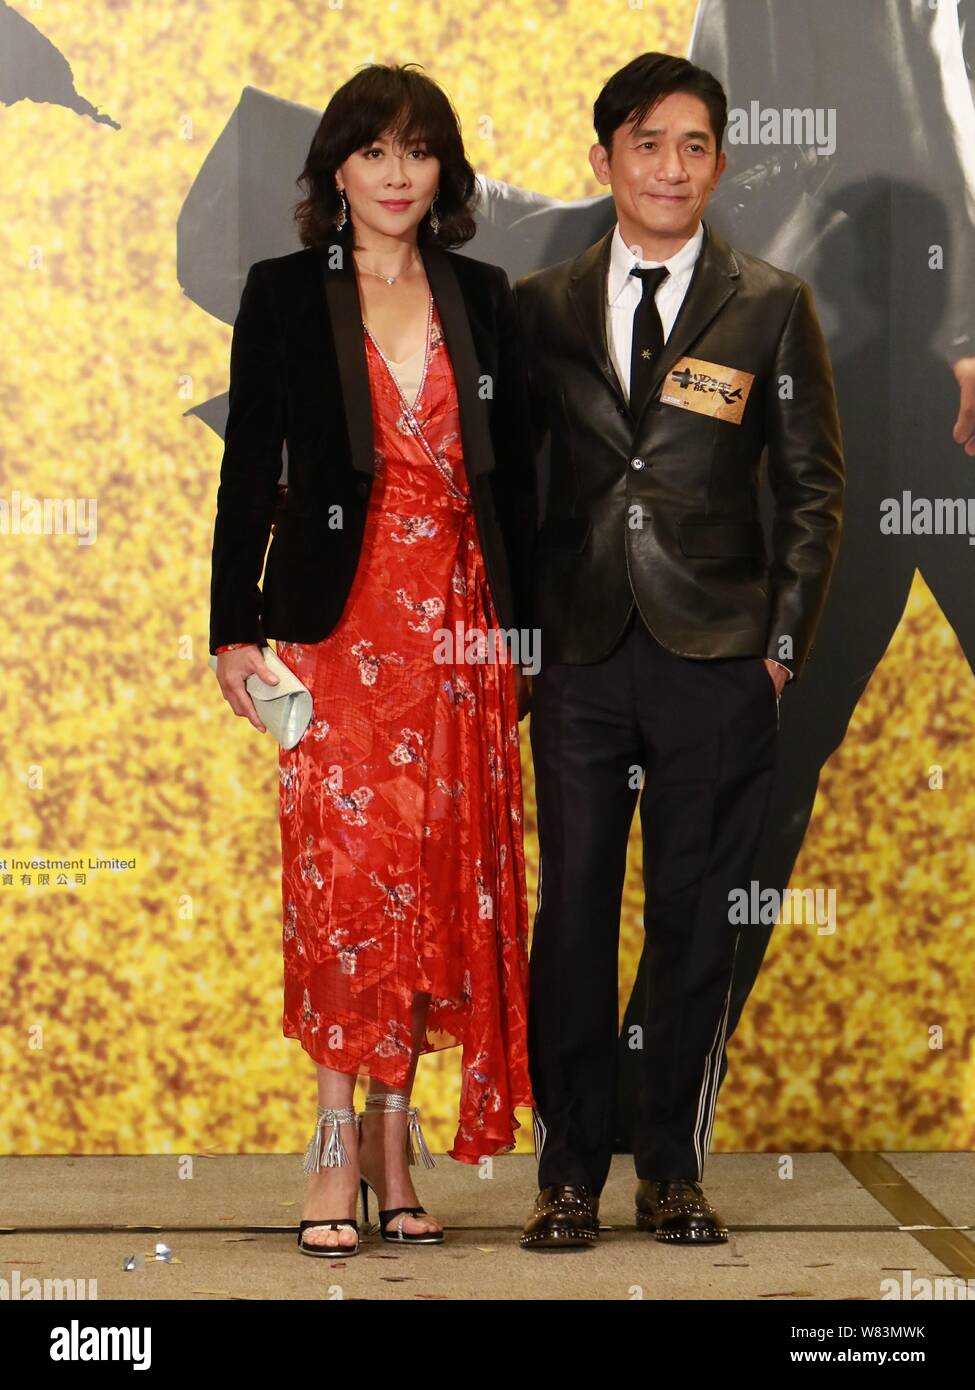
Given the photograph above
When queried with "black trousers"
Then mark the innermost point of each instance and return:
(699, 737)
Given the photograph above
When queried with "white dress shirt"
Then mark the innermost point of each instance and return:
(624, 292)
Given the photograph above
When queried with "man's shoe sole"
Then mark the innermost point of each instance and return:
(644, 1222)
(554, 1241)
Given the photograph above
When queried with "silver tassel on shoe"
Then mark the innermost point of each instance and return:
(413, 1130)
(334, 1155)
(389, 1101)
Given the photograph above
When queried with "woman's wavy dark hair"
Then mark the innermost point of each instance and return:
(378, 99)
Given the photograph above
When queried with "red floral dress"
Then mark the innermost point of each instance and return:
(401, 806)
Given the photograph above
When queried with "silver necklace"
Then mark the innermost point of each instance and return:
(390, 279)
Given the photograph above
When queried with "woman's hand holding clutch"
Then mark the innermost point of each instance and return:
(233, 668)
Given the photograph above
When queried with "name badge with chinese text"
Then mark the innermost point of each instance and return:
(707, 388)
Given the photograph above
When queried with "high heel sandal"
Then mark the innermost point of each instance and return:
(333, 1155)
(390, 1102)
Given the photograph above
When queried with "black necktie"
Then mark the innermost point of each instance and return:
(648, 335)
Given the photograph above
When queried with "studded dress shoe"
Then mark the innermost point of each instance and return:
(564, 1216)
(676, 1210)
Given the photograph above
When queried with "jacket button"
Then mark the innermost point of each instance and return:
(362, 487)
(637, 464)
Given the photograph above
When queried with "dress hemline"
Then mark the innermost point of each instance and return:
(499, 1143)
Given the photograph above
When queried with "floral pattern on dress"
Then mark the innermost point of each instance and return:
(401, 807)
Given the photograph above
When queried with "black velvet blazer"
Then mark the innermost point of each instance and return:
(299, 379)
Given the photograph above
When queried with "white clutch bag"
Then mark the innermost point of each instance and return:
(286, 708)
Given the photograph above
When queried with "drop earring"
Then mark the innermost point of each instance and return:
(434, 219)
(340, 221)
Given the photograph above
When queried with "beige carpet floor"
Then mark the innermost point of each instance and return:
(836, 1228)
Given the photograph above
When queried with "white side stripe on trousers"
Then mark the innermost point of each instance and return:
(708, 1097)
(539, 1133)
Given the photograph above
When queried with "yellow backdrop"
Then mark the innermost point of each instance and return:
(142, 1007)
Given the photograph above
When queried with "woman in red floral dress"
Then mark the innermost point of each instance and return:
(405, 912)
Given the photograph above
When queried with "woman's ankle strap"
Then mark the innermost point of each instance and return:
(387, 1100)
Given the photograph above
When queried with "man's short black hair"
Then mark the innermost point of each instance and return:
(635, 90)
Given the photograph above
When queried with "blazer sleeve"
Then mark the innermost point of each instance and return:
(249, 472)
(515, 485)
(806, 473)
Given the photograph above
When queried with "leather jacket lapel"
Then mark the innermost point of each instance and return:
(712, 285)
(587, 290)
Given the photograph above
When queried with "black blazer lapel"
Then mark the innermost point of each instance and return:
(345, 311)
(474, 420)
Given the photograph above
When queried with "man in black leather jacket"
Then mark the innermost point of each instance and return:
(860, 216)
(667, 632)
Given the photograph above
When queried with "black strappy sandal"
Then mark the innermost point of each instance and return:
(333, 1156)
(332, 1251)
(389, 1103)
